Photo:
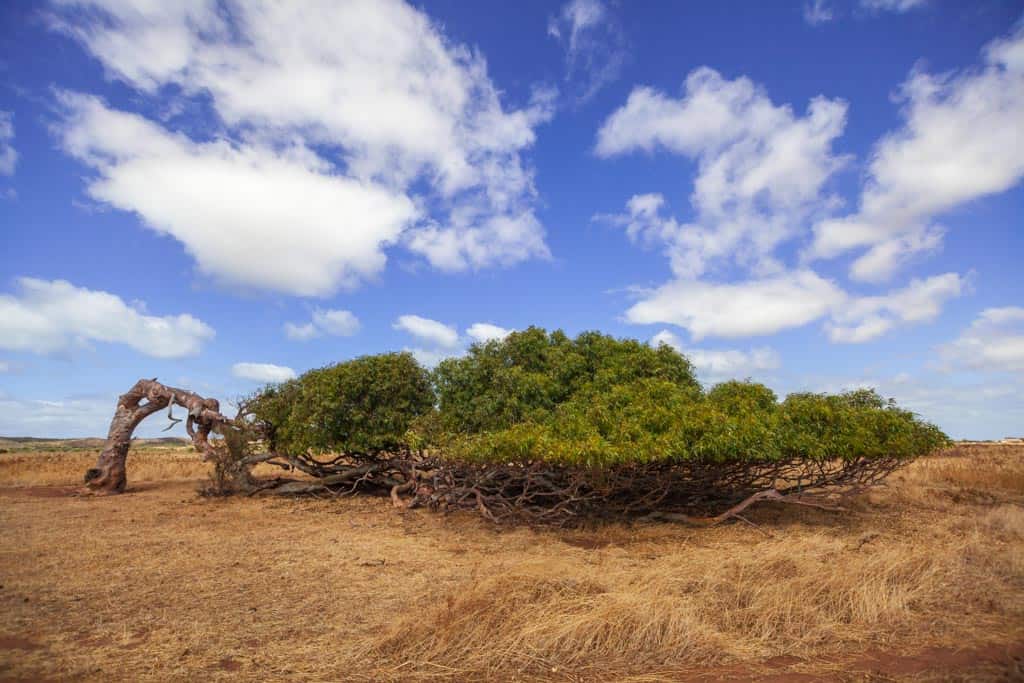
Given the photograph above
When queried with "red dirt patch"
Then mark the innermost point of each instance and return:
(228, 664)
(41, 491)
(943, 658)
(1007, 657)
(18, 643)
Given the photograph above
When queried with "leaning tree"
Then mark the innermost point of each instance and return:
(539, 427)
(149, 396)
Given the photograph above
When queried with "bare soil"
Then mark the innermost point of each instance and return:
(922, 580)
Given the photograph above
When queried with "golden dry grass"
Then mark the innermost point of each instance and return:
(924, 579)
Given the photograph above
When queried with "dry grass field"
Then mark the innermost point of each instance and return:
(922, 580)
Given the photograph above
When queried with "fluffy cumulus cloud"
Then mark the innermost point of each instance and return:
(262, 372)
(49, 316)
(595, 45)
(484, 332)
(719, 364)
(338, 323)
(762, 168)
(957, 144)
(793, 299)
(8, 155)
(739, 309)
(869, 317)
(423, 151)
(763, 181)
(250, 215)
(428, 330)
(993, 342)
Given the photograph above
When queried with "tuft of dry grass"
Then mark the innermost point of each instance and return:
(798, 594)
(986, 470)
(923, 579)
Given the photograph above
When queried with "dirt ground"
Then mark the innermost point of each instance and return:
(922, 580)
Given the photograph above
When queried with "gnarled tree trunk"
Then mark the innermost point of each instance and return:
(145, 398)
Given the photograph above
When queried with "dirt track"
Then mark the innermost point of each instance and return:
(159, 584)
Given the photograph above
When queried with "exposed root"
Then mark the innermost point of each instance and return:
(541, 493)
(769, 495)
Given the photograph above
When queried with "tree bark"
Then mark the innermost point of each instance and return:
(145, 398)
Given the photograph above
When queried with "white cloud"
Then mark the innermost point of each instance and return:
(429, 358)
(722, 363)
(48, 316)
(339, 323)
(818, 12)
(250, 215)
(761, 181)
(739, 309)
(5, 366)
(594, 45)
(483, 332)
(75, 416)
(958, 143)
(410, 117)
(499, 240)
(300, 332)
(892, 5)
(761, 168)
(429, 330)
(993, 342)
(263, 372)
(866, 318)
(8, 155)
(793, 299)
(443, 339)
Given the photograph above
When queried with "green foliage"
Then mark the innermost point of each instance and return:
(597, 401)
(525, 377)
(740, 398)
(593, 401)
(852, 425)
(366, 405)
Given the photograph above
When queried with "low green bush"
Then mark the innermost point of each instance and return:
(594, 401)
(361, 406)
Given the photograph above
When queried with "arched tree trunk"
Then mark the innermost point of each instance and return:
(145, 398)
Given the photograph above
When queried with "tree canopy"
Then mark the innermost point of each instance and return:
(592, 401)
(365, 405)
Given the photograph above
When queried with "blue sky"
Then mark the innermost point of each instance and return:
(818, 195)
